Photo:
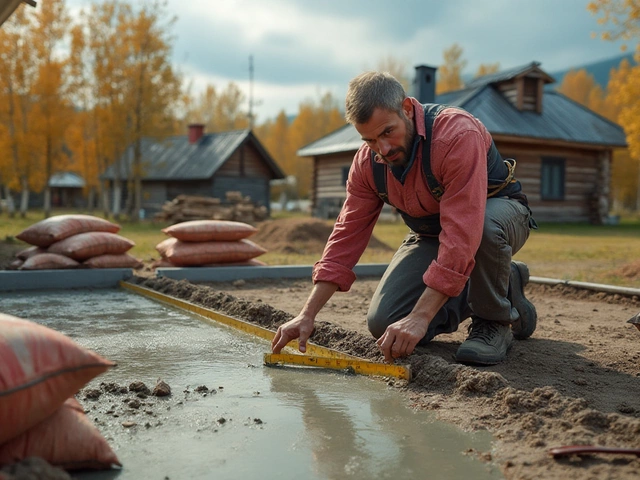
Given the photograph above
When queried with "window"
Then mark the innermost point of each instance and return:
(345, 175)
(552, 178)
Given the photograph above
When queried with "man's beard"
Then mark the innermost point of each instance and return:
(405, 150)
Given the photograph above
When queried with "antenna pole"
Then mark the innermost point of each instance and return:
(251, 92)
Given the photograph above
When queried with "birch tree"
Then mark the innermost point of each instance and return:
(17, 72)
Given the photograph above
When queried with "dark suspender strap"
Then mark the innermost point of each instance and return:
(379, 177)
(431, 111)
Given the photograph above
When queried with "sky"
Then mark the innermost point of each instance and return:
(302, 49)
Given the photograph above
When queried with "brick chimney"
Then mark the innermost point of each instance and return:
(424, 84)
(196, 130)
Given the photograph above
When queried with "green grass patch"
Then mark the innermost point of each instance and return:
(579, 252)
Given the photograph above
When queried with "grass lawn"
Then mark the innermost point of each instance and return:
(565, 251)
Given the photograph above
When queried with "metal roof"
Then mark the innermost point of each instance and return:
(561, 119)
(509, 74)
(344, 139)
(66, 180)
(176, 159)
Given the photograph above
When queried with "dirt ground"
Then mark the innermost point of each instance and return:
(576, 381)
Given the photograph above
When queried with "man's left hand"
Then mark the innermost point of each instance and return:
(400, 338)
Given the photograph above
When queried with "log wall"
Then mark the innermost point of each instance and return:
(586, 181)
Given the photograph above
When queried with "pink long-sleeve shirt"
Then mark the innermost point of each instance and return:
(459, 148)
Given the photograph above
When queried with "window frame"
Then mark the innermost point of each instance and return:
(554, 188)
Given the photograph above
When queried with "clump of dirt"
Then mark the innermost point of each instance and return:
(32, 468)
(300, 235)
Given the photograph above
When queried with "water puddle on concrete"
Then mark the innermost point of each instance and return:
(262, 423)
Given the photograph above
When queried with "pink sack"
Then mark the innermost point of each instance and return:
(39, 369)
(122, 260)
(66, 439)
(59, 227)
(210, 230)
(202, 253)
(48, 261)
(30, 252)
(91, 244)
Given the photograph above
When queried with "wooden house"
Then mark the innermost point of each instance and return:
(199, 164)
(563, 150)
(67, 190)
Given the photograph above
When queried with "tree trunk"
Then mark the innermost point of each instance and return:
(137, 180)
(117, 198)
(104, 199)
(11, 206)
(47, 201)
(49, 173)
(91, 199)
(638, 192)
(24, 198)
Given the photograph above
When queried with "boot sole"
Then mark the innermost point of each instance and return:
(526, 324)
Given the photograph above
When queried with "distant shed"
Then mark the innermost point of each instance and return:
(200, 164)
(67, 190)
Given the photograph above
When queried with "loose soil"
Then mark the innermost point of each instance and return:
(574, 382)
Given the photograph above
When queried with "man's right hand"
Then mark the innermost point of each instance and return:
(300, 327)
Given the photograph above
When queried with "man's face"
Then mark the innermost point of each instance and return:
(390, 135)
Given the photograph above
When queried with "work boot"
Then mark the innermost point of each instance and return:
(487, 343)
(526, 323)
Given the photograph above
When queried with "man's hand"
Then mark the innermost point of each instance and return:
(300, 327)
(400, 338)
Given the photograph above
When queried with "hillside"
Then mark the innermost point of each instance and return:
(600, 70)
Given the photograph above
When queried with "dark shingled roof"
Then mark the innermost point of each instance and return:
(561, 119)
(509, 74)
(176, 159)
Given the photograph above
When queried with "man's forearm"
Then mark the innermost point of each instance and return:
(321, 293)
(428, 304)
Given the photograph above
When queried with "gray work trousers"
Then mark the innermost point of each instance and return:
(506, 229)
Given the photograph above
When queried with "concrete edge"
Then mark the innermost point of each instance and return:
(18, 280)
(225, 274)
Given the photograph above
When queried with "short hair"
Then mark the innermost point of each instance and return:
(371, 90)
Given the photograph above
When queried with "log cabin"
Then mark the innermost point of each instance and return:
(563, 150)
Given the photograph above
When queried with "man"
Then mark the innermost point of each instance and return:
(467, 216)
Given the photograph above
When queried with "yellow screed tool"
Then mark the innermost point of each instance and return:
(317, 356)
(362, 367)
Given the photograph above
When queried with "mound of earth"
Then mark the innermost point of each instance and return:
(630, 271)
(299, 235)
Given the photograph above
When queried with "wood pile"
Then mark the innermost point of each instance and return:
(236, 207)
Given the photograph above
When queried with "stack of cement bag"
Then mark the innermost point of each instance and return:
(72, 241)
(208, 243)
(41, 371)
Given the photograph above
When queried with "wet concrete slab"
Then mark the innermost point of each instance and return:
(254, 422)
